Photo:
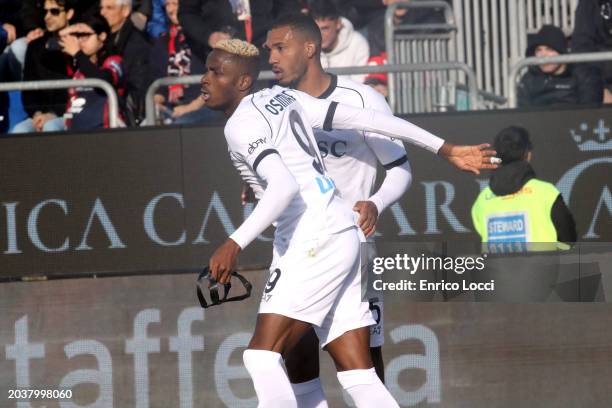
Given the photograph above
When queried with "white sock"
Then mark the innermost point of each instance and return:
(366, 389)
(269, 378)
(309, 394)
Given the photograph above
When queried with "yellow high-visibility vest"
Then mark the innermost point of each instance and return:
(521, 217)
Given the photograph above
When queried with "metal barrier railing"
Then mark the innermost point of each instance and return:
(113, 101)
(492, 34)
(269, 75)
(562, 59)
(419, 44)
(536, 13)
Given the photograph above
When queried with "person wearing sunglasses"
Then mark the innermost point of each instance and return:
(171, 55)
(45, 60)
(86, 42)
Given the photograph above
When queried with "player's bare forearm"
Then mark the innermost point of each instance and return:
(223, 261)
(472, 158)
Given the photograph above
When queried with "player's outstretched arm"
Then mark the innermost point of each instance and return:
(333, 115)
(280, 190)
(467, 158)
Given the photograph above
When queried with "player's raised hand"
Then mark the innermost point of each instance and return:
(368, 216)
(223, 261)
(471, 158)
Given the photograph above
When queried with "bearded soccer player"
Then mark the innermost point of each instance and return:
(351, 158)
(314, 276)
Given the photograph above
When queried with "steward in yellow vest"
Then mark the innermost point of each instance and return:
(517, 208)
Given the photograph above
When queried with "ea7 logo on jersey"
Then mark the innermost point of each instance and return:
(254, 145)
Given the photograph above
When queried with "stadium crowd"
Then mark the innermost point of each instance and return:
(130, 43)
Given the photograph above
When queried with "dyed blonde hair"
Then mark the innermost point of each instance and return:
(237, 47)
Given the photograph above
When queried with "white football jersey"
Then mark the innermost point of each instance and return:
(351, 156)
(279, 120)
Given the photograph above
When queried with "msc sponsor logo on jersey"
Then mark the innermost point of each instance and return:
(337, 148)
(509, 228)
(254, 145)
(279, 102)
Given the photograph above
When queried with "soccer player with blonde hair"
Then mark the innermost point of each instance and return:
(314, 276)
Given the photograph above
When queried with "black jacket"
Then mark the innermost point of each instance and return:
(133, 47)
(200, 18)
(540, 89)
(42, 63)
(593, 33)
(511, 177)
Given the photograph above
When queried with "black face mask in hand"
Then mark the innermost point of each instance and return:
(212, 293)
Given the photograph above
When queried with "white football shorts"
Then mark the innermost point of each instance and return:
(319, 282)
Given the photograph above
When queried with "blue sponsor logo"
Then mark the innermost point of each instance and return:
(325, 184)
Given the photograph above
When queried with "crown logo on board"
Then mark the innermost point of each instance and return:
(594, 139)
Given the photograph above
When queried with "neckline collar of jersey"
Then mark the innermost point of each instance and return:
(332, 85)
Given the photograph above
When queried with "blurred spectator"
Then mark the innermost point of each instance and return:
(378, 80)
(361, 12)
(10, 69)
(548, 84)
(202, 22)
(132, 46)
(158, 23)
(255, 17)
(265, 12)
(341, 46)
(171, 56)
(10, 29)
(516, 206)
(142, 10)
(32, 18)
(86, 43)
(45, 61)
(376, 27)
(593, 33)
(10, 22)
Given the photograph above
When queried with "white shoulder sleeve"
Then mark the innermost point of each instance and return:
(249, 137)
(280, 190)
